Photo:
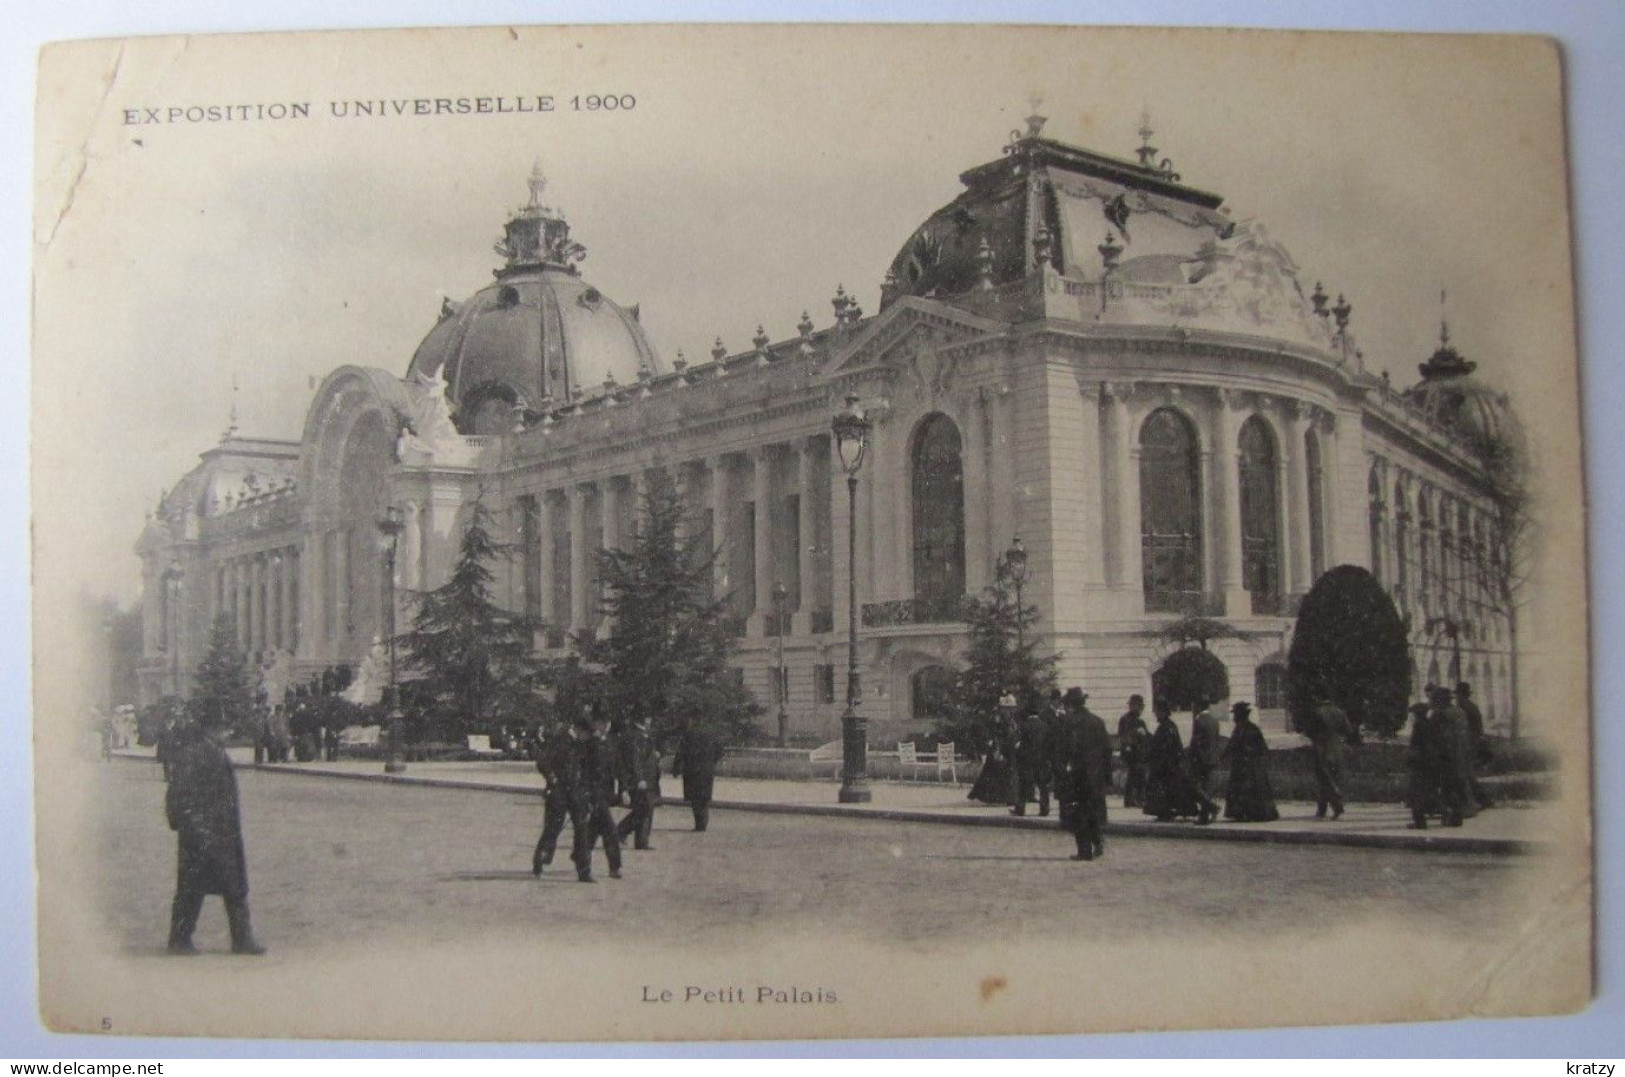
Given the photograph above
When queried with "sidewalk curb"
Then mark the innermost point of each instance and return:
(1430, 843)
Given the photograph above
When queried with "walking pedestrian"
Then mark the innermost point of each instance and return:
(1168, 792)
(1033, 771)
(1090, 776)
(1455, 759)
(557, 764)
(1250, 797)
(996, 783)
(1480, 742)
(1205, 756)
(640, 777)
(698, 753)
(1133, 744)
(1425, 763)
(1328, 730)
(593, 785)
(201, 806)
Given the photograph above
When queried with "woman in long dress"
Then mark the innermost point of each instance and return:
(996, 783)
(1249, 798)
(1168, 789)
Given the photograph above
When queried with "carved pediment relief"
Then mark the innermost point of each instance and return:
(914, 336)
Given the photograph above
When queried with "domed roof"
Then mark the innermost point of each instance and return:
(538, 333)
(1129, 231)
(1450, 394)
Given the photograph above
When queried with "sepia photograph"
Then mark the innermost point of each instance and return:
(639, 533)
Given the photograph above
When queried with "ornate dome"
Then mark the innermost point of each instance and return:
(1141, 246)
(1450, 394)
(539, 336)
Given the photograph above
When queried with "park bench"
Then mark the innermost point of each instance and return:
(825, 753)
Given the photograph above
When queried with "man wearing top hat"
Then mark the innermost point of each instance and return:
(594, 788)
(201, 804)
(1033, 764)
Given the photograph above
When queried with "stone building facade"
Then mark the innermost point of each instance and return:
(1080, 351)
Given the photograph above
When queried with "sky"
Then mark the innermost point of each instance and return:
(204, 268)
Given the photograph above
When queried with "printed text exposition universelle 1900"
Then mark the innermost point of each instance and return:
(378, 108)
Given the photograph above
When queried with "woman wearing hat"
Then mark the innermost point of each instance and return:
(1168, 789)
(996, 783)
(1249, 798)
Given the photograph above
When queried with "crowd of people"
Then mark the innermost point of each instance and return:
(1060, 747)
(589, 767)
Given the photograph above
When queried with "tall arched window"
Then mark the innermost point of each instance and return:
(938, 489)
(1170, 511)
(1424, 553)
(1375, 511)
(1402, 545)
(1317, 505)
(1260, 516)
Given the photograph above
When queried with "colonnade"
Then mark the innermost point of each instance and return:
(259, 591)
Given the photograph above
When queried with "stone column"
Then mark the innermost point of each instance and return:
(806, 537)
(839, 564)
(341, 583)
(290, 565)
(239, 572)
(717, 498)
(1297, 500)
(544, 558)
(1123, 497)
(256, 604)
(762, 498)
(1331, 493)
(1226, 476)
(578, 557)
(609, 511)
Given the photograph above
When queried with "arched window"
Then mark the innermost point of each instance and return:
(938, 489)
(1317, 506)
(1375, 514)
(1269, 686)
(931, 693)
(1260, 516)
(1402, 545)
(1170, 511)
(1424, 553)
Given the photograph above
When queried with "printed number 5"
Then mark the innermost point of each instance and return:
(107, 1023)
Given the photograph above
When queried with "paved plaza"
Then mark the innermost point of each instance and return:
(333, 861)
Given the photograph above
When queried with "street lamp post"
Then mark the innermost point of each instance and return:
(390, 526)
(781, 603)
(851, 431)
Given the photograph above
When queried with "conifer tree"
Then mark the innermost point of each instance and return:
(222, 691)
(665, 658)
(473, 660)
(1000, 660)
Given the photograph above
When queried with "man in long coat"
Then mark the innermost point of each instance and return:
(1425, 762)
(1328, 731)
(1032, 762)
(1455, 755)
(1480, 743)
(1091, 777)
(1206, 755)
(556, 762)
(1250, 797)
(201, 804)
(1133, 743)
(698, 752)
(593, 789)
(640, 777)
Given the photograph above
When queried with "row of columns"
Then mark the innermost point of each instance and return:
(260, 592)
(1428, 566)
(563, 594)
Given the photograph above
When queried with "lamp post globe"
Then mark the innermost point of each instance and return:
(850, 428)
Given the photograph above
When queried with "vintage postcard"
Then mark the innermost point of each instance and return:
(661, 532)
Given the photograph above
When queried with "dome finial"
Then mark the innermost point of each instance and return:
(537, 184)
(231, 419)
(1444, 323)
(1035, 121)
